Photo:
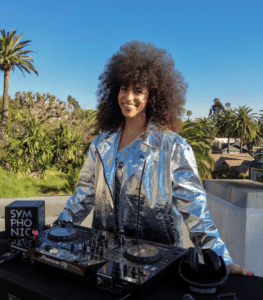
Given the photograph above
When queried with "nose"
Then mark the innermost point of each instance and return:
(131, 95)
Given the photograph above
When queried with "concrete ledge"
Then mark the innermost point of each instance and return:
(241, 231)
(243, 193)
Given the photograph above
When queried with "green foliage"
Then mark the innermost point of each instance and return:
(243, 176)
(217, 112)
(29, 151)
(208, 126)
(37, 150)
(257, 140)
(200, 142)
(72, 178)
(246, 126)
(228, 173)
(11, 53)
(189, 113)
(38, 141)
(237, 123)
(260, 178)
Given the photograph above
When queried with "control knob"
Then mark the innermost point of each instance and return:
(72, 247)
(133, 270)
(106, 243)
(125, 269)
(101, 250)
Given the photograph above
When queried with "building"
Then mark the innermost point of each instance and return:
(259, 156)
(256, 167)
(234, 148)
(221, 147)
(238, 161)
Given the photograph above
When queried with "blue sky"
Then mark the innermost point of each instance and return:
(217, 45)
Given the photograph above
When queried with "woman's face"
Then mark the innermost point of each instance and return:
(132, 100)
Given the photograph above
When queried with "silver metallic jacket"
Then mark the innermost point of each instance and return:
(161, 187)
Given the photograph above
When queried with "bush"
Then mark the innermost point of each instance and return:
(243, 176)
(36, 150)
(72, 178)
(260, 178)
(228, 173)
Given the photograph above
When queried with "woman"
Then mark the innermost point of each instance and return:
(140, 175)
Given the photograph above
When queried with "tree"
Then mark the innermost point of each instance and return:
(189, 113)
(38, 143)
(261, 117)
(44, 107)
(228, 105)
(224, 120)
(228, 125)
(217, 112)
(200, 142)
(11, 55)
(246, 126)
(208, 126)
(48, 110)
(257, 140)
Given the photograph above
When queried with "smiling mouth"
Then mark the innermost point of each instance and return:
(129, 106)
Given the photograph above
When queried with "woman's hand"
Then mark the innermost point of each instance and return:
(236, 269)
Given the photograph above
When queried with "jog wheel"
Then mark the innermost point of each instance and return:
(63, 234)
(142, 253)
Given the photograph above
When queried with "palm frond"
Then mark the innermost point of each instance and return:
(200, 141)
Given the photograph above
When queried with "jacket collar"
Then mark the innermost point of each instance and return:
(108, 144)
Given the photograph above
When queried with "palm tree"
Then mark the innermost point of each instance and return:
(208, 126)
(261, 117)
(257, 140)
(200, 142)
(11, 56)
(228, 105)
(228, 125)
(246, 126)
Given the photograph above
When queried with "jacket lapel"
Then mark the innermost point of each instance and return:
(107, 149)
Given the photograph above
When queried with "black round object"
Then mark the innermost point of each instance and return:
(63, 234)
(143, 253)
(208, 278)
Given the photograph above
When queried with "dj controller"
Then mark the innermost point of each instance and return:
(114, 263)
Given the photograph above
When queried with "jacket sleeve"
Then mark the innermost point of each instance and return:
(81, 203)
(189, 197)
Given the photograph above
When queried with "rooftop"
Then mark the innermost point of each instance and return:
(233, 160)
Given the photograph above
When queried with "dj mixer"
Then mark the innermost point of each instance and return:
(113, 262)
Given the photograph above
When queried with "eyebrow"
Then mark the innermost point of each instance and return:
(137, 87)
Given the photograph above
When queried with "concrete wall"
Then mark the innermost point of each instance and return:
(238, 216)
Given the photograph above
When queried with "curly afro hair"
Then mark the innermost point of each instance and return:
(138, 62)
